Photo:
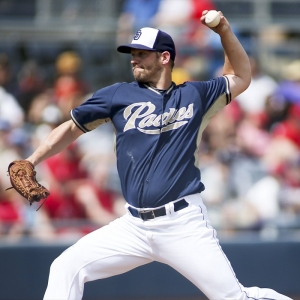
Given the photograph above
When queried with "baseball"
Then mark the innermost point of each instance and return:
(212, 18)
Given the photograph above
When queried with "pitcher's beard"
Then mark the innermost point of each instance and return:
(140, 76)
(147, 75)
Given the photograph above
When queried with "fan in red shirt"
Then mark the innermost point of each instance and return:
(74, 195)
(290, 127)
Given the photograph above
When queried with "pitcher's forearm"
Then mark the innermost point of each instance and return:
(236, 64)
(236, 59)
(58, 139)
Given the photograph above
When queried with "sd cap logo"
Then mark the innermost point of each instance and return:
(137, 35)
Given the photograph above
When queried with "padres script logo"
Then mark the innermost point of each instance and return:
(143, 117)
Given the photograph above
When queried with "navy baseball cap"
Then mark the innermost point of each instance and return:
(150, 39)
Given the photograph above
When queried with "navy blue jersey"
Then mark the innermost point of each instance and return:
(157, 135)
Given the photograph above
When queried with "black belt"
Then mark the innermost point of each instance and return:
(147, 214)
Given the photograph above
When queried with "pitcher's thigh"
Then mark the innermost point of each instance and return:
(108, 251)
(119, 243)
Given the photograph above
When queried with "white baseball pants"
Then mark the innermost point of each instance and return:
(184, 240)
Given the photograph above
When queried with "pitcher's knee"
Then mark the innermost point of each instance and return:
(65, 281)
(65, 262)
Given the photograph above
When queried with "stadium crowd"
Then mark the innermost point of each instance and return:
(249, 155)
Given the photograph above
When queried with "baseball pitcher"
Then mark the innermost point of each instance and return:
(158, 131)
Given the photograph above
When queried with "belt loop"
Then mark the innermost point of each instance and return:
(127, 206)
(169, 208)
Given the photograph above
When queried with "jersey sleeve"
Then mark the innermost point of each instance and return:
(214, 94)
(96, 110)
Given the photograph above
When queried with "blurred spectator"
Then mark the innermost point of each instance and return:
(289, 88)
(43, 116)
(252, 193)
(219, 136)
(255, 210)
(69, 88)
(10, 214)
(16, 145)
(19, 220)
(80, 200)
(217, 148)
(6, 76)
(289, 194)
(245, 169)
(285, 105)
(37, 106)
(63, 173)
(233, 167)
(252, 128)
(197, 33)
(135, 14)
(286, 94)
(180, 75)
(4, 132)
(101, 201)
(254, 99)
(50, 117)
(173, 17)
(279, 150)
(19, 141)
(31, 83)
(10, 109)
(100, 163)
(289, 128)
(272, 202)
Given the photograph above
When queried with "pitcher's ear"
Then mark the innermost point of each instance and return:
(165, 57)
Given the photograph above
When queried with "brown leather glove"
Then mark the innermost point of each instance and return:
(23, 179)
